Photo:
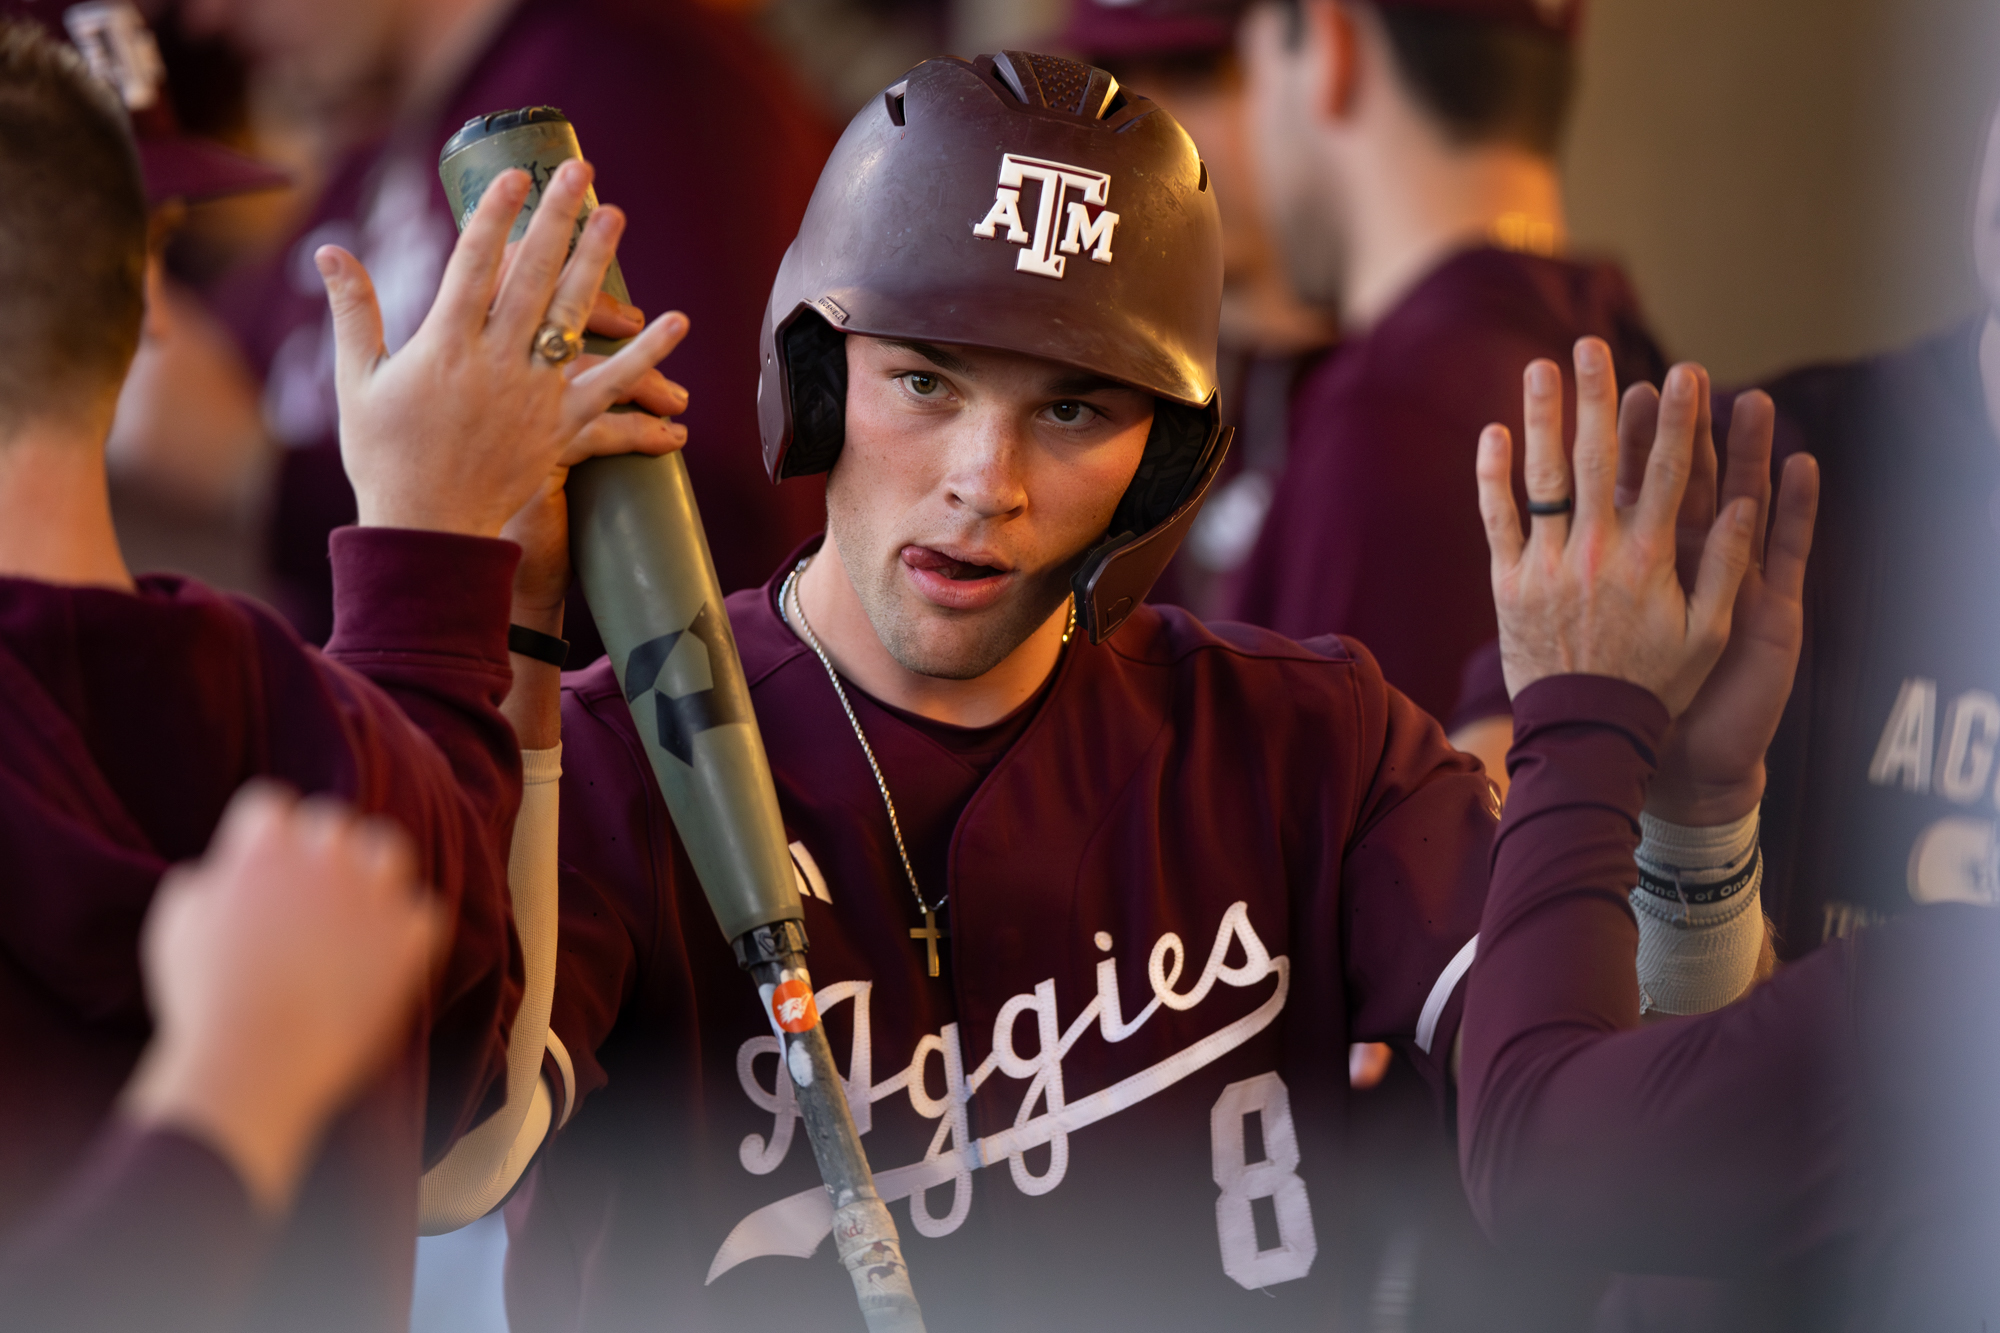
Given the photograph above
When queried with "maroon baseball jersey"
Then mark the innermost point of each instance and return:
(1882, 778)
(1829, 1135)
(1180, 882)
(696, 132)
(1374, 527)
(127, 720)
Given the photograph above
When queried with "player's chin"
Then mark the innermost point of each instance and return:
(957, 646)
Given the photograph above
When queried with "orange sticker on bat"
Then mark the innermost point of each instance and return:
(792, 1006)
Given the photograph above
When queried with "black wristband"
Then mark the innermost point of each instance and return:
(533, 643)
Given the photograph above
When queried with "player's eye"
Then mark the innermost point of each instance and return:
(1070, 412)
(922, 384)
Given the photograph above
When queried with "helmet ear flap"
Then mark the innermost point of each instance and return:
(816, 374)
(1176, 451)
(1117, 574)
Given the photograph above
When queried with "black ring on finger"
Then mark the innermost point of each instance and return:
(1550, 508)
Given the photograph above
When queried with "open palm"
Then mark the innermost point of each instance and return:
(1712, 761)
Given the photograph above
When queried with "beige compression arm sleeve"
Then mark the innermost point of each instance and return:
(483, 1166)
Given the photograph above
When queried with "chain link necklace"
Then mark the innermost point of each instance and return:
(794, 613)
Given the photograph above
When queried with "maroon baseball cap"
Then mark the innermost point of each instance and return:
(1143, 29)
(1139, 29)
(114, 39)
(1561, 17)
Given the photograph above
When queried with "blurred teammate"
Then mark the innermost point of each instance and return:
(647, 85)
(1183, 53)
(187, 455)
(131, 709)
(1097, 895)
(281, 972)
(1407, 149)
(1883, 776)
(1828, 1137)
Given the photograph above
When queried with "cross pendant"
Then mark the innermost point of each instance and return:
(930, 935)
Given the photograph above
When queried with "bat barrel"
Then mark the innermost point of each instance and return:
(643, 559)
(640, 552)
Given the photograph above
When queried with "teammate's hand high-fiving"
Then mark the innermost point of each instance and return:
(462, 426)
(1592, 587)
(1712, 760)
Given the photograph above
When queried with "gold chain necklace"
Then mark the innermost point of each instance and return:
(788, 597)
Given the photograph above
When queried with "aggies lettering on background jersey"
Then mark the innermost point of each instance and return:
(1883, 780)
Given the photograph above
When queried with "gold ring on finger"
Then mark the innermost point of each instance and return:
(556, 344)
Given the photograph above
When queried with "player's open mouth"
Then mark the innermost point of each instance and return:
(959, 580)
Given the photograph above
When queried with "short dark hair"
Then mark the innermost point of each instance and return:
(72, 229)
(1484, 80)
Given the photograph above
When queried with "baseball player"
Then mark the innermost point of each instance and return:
(1097, 895)
(1883, 775)
(1407, 151)
(132, 708)
(1829, 1134)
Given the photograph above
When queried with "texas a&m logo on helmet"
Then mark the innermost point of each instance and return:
(1056, 212)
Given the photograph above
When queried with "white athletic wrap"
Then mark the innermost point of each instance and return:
(482, 1167)
(1695, 957)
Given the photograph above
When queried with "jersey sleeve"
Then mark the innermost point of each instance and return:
(422, 618)
(1413, 875)
(152, 1230)
(1726, 1125)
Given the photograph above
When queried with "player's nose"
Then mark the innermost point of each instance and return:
(986, 471)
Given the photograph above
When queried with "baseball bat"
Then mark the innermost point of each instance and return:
(637, 543)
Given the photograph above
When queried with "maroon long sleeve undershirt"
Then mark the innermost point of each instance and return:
(1710, 1146)
(423, 615)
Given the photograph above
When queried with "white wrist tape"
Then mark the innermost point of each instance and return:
(483, 1166)
(1701, 923)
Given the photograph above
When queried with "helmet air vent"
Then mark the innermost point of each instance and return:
(893, 100)
(1063, 81)
(1058, 84)
(1011, 76)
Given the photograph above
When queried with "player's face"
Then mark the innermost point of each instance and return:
(969, 488)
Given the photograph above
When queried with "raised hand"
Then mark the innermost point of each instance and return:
(1712, 761)
(462, 426)
(1594, 590)
(541, 526)
(281, 969)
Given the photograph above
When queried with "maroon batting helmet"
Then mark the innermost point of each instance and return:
(1024, 203)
